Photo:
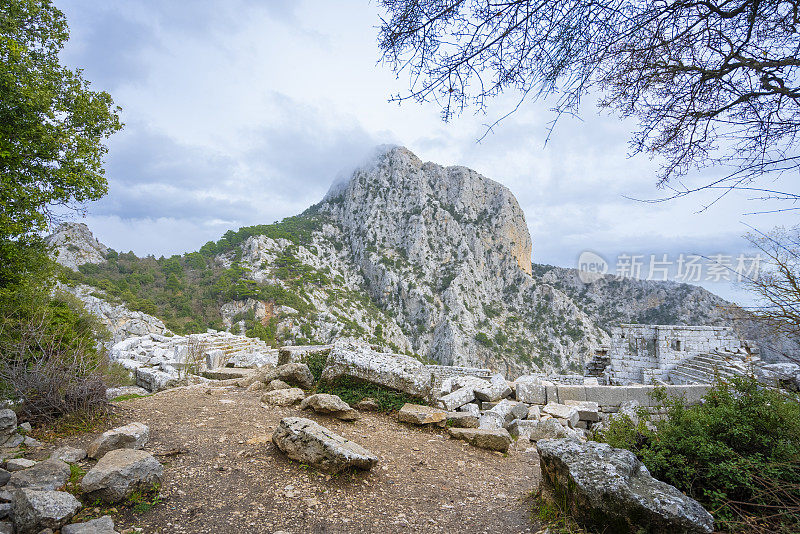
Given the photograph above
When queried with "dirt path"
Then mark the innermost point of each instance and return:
(231, 478)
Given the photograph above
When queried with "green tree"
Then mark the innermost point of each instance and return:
(52, 132)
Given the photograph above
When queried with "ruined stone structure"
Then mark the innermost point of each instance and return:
(646, 353)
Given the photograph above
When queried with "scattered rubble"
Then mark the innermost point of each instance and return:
(418, 414)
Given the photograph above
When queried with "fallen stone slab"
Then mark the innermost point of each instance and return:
(610, 488)
(492, 439)
(530, 390)
(18, 464)
(456, 399)
(69, 455)
(587, 410)
(330, 405)
(152, 379)
(45, 475)
(297, 374)
(310, 443)
(37, 510)
(121, 472)
(499, 416)
(561, 411)
(417, 414)
(101, 525)
(283, 397)
(275, 385)
(394, 371)
(534, 430)
(462, 420)
(130, 436)
(496, 389)
(471, 409)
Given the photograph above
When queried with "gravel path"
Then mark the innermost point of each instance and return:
(227, 476)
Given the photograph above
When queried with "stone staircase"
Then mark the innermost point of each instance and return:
(233, 347)
(705, 368)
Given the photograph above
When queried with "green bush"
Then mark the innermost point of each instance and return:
(352, 391)
(316, 362)
(737, 453)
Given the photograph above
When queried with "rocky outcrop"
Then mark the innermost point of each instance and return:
(122, 323)
(610, 488)
(310, 443)
(75, 245)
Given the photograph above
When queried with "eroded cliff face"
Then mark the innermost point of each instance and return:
(74, 245)
(447, 251)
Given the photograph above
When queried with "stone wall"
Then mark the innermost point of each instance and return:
(443, 372)
(610, 398)
(643, 353)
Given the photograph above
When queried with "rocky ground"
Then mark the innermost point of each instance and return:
(223, 474)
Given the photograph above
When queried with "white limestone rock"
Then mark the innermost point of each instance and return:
(607, 486)
(130, 436)
(101, 525)
(360, 361)
(310, 443)
(457, 399)
(283, 397)
(37, 510)
(330, 405)
(497, 389)
(121, 472)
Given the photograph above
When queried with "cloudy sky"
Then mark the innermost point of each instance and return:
(243, 112)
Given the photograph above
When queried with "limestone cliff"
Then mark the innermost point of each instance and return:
(75, 245)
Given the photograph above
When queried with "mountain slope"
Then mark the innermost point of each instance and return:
(427, 260)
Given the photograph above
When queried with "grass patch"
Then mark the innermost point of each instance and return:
(352, 391)
(128, 396)
(552, 516)
(142, 501)
(73, 485)
(74, 424)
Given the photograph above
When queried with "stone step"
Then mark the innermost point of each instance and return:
(679, 376)
(709, 371)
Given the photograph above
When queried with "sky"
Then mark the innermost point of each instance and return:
(243, 112)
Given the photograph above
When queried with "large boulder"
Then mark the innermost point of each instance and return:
(330, 405)
(398, 372)
(37, 510)
(283, 397)
(101, 525)
(153, 379)
(46, 475)
(121, 472)
(610, 488)
(485, 438)
(131, 436)
(297, 374)
(530, 390)
(311, 443)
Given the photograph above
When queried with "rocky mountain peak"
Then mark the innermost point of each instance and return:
(75, 245)
(431, 214)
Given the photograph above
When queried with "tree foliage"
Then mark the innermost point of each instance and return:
(52, 131)
(710, 82)
(738, 453)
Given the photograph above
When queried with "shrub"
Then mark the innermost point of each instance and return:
(50, 364)
(738, 453)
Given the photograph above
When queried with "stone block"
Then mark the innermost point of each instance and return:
(577, 393)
